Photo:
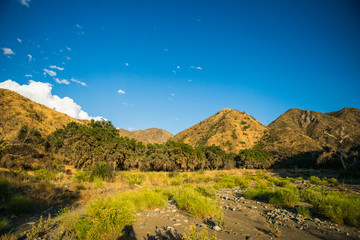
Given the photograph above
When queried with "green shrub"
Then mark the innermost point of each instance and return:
(338, 207)
(195, 204)
(317, 181)
(43, 174)
(102, 170)
(20, 204)
(285, 197)
(258, 194)
(303, 211)
(98, 183)
(4, 223)
(105, 217)
(227, 182)
(206, 191)
(145, 199)
(4, 190)
(81, 176)
(242, 182)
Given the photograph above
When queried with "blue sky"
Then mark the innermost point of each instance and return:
(179, 62)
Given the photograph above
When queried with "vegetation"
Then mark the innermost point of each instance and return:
(254, 158)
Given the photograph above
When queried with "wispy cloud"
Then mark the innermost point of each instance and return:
(127, 64)
(121, 91)
(68, 58)
(8, 51)
(30, 57)
(56, 67)
(197, 68)
(69, 49)
(62, 81)
(79, 82)
(41, 93)
(78, 26)
(19, 40)
(25, 2)
(50, 72)
(28, 75)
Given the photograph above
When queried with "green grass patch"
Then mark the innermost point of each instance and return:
(20, 204)
(303, 211)
(286, 197)
(195, 203)
(4, 223)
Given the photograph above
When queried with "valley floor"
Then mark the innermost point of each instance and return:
(243, 218)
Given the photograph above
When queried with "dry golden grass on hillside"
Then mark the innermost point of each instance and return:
(151, 135)
(17, 111)
(230, 129)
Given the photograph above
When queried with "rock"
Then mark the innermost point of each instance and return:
(177, 224)
(156, 209)
(216, 228)
(337, 229)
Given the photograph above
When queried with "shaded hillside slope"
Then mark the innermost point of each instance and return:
(151, 135)
(230, 129)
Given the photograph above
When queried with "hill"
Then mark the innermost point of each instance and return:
(151, 135)
(305, 130)
(230, 129)
(17, 111)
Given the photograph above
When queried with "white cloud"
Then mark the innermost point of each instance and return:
(178, 67)
(68, 58)
(56, 67)
(127, 64)
(62, 81)
(173, 94)
(198, 68)
(19, 40)
(69, 49)
(50, 72)
(41, 93)
(25, 2)
(189, 80)
(79, 82)
(121, 91)
(28, 75)
(30, 57)
(78, 26)
(8, 51)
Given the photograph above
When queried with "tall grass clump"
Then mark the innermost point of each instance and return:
(287, 197)
(20, 204)
(242, 182)
(193, 234)
(145, 199)
(259, 192)
(102, 170)
(43, 174)
(4, 223)
(104, 218)
(195, 203)
(81, 176)
(337, 207)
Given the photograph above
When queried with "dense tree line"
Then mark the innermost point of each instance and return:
(85, 145)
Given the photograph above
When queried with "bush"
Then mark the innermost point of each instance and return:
(195, 204)
(4, 223)
(105, 217)
(338, 207)
(262, 194)
(4, 190)
(82, 176)
(43, 174)
(242, 182)
(286, 197)
(20, 204)
(317, 181)
(145, 199)
(102, 170)
(206, 191)
(303, 211)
